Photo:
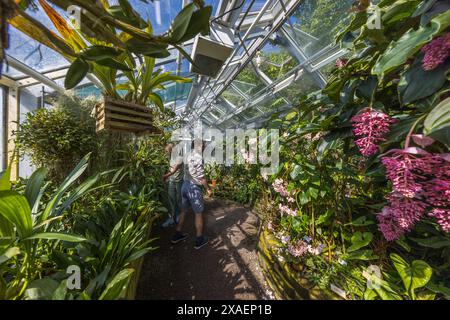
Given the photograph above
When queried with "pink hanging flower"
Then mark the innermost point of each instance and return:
(421, 182)
(406, 169)
(370, 127)
(443, 218)
(388, 226)
(436, 52)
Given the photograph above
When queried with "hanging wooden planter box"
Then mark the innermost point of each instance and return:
(122, 116)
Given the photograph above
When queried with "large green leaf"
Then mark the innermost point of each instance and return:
(180, 24)
(41, 289)
(400, 51)
(117, 285)
(414, 275)
(98, 52)
(360, 240)
(199, 23)
(57, 236)
(9, 253)
(34, 188)
(436, 242)
(5, 179)
(147, 48)
(416, 83)
(77, 71)
(437, 123)
(113, 63)
(15, 208)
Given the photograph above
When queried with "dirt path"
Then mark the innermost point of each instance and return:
(227, 268)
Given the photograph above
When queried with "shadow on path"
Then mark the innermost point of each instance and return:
(226, 268)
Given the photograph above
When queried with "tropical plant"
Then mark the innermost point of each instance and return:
(25, 222)
(107, 34)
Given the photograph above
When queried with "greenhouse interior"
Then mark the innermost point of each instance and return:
(225, 150)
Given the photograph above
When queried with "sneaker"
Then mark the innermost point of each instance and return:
(200, 242)
(178, 237)
(169, 222)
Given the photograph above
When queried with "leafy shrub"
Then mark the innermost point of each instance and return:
(58, 137)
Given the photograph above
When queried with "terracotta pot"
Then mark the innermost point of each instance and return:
(214, 183)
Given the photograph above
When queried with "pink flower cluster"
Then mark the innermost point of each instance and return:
(421, 182)
(370, 127)
(287, 210)
(301, 247)
(436, 52)
(280, 187)
(341, 63)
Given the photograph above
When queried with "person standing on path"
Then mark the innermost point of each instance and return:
(192, 195)
(175, 182)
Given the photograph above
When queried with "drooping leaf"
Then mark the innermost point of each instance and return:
(98, 52)
(417, 83)
(401, 50)
(77, 71)
(180, 24)
(34, 188)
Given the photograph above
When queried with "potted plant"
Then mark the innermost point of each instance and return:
(213, 172)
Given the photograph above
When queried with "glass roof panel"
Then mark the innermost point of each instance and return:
(275, 61)
(303, 85)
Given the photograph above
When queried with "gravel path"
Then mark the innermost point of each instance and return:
(226, 268)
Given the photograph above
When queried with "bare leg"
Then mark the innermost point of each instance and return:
(199, 224)
(182, 218)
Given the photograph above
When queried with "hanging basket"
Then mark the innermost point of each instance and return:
(121, 116)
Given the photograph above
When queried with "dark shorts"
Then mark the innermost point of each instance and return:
(192, 197)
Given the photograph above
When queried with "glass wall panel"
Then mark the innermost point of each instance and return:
(3, 126)
(316, 22)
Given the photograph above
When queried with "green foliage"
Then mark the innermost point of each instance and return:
(59, 137)
(334, 192)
